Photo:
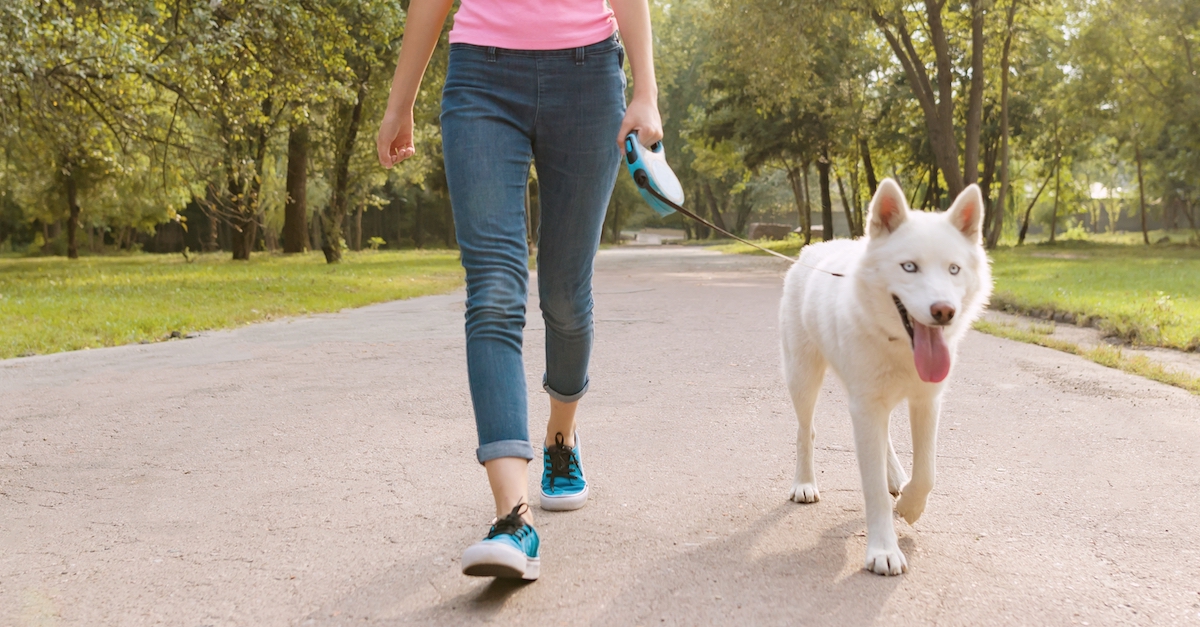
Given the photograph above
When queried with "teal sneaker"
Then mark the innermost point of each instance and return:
(510, 550)
(564, 486)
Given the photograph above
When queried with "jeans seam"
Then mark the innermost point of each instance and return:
(537, 109)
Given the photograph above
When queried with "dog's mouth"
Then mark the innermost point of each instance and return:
(931, 356)
(904, 317)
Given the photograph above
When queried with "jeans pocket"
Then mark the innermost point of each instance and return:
(621, 57)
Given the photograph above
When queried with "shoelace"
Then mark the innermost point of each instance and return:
(562, 461)
(511, 524)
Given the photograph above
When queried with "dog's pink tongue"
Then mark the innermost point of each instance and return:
(930, 353)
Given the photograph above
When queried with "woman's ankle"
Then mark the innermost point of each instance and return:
(562, 421)
(567, 440)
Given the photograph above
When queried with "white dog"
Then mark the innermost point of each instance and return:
(889, 327)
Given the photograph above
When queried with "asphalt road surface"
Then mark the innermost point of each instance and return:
(321, 471)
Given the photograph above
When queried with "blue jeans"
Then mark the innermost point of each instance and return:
(502, 109)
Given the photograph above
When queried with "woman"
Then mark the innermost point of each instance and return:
(538, 80)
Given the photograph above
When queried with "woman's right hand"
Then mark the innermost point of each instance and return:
(395, 139)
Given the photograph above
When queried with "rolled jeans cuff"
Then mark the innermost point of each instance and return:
(560, 397)
(504, 448)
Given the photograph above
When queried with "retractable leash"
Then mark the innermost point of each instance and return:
(661, 189)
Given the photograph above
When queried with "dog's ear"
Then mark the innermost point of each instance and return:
(889, 209)
(966, 214)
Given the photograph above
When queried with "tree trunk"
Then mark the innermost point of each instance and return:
(210, 242)
(872, 182)
(826, 197)
(244, 188)
(993, 236)
(744, 207)
(246, 231)
(714, 208)
(1137, 151)
(418, 223)
(73, 207)
(990, 153)
(975, 99)
(270, 238)
(616, 222)
(295, 208)
(850, 221)
(793, 176)
(1029, 209)
(930, 190)
(937, 107)
(857, 204)
(700, 231)
(358, 228)
(1057, 190)
(314, 233)
(331, 222)
(807, 220)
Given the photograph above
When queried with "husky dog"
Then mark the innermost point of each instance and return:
(889, 327)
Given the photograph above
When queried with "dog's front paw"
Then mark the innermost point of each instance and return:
(804, 493)
(886, 561)
(910, 506)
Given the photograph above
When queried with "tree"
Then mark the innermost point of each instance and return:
(938, 105)
(236, 66)
(73, 100)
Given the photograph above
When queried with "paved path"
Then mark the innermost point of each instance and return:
(320, 471)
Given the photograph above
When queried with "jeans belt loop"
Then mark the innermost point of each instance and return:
(579, 55)
(491, 54)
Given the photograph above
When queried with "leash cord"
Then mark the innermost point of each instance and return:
(643, 182)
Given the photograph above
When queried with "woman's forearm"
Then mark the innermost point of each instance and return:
(422, 29)
(633, 18)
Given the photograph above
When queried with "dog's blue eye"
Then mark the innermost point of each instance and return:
(954, 268)
(909, 266)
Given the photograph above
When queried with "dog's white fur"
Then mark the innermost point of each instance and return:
(852, 324)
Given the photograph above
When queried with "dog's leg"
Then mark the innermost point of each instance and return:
(896, 475)
(805, 368)
(923, 415)
(870, 420)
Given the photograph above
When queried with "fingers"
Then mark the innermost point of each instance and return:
(627, 127)
(650, 135)
(394, 143)
(393, 152)
(644, 119)
(383, 148)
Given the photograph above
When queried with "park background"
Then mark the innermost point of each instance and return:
(172, 167)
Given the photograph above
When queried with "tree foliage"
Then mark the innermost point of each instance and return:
(119, 116)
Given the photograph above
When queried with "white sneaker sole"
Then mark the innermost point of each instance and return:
(490, 559)
(564, 503)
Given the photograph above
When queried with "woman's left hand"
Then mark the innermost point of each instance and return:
(642, 116)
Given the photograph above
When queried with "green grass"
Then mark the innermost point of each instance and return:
(1111, 357)
(52, 304)
(1146, 295)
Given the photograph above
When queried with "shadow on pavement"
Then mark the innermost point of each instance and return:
(756, 577)
(486, 602)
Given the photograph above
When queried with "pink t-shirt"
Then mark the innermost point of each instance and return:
(532, 24)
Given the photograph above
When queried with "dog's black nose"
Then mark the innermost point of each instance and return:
(942, 312)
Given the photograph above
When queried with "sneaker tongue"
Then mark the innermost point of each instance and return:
(930, 353)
